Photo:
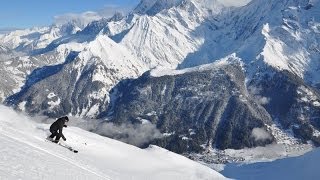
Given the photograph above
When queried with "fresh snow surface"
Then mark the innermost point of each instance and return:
(302, 167)
(24, 154)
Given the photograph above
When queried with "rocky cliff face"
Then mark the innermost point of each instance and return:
(290, 102)
(212, 106)
(196, 109)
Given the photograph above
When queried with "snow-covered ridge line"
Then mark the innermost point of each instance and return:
(231, 59)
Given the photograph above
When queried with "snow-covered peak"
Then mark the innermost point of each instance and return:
(70, 28)
(116, 17)
(94, 27)
(36, 38)
(14, 38)
(112, 54)
(213, 5)
(152, 7)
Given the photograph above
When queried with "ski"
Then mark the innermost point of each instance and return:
(68, 147)
(63, 145)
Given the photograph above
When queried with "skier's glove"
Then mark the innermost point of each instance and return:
(64, 139)
(65, 126)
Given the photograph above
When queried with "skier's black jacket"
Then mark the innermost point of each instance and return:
(58, 125)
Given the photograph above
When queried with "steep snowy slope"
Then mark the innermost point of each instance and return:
(25, 154)
(166, 38)
(281, 34)
(293, 44)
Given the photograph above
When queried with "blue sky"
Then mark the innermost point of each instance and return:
(29, 13)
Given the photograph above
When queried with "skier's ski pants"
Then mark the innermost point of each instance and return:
(55, 134)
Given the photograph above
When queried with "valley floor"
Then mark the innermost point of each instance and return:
(301, 167)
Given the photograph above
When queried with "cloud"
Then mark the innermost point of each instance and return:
(135, 134)
(79, 19)
(255, 92)
(83, 19)
(259, 134)
(263, 100)
(110, 10)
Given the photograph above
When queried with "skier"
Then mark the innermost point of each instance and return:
(57, 126)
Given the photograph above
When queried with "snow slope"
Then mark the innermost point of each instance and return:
(302, 167)
(24, 154)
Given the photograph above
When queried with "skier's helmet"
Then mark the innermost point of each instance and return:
(66, 119)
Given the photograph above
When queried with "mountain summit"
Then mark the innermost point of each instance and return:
(154, 7)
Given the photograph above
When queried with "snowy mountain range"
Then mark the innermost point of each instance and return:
(148, 66)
